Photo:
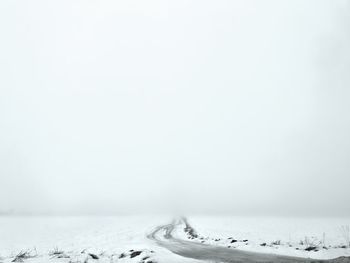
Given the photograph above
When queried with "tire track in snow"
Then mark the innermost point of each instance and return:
(162, 235)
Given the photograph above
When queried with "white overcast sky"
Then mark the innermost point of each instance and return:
(199, 106)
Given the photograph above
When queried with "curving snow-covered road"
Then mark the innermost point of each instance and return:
(163, 236)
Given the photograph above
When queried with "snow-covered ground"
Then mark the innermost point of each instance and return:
(325, 237)
(72, 239)
(123, 238)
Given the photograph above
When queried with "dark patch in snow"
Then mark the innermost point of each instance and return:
(93, 256)
(135, 254)
(189, 229)
(311, 249)
(21, 256)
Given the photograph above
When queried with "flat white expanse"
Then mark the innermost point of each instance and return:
(73, 233)
(117, 234)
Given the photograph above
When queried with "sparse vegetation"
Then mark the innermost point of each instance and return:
(324, 240)
(56, 253)
(311, 243)
(21, 256)
(135, 254)
(191, 232)
(345, 231)
(276, 243)
(93, 256)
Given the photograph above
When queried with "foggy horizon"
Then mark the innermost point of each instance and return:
(124, 107)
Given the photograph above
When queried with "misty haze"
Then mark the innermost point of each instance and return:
(174, 131)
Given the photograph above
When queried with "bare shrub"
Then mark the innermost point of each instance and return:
(311, 243)
(276, 243)
(345, 231)
(324, 240)
(56, 253)
(21, 256)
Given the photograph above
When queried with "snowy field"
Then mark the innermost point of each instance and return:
(319, 238)
(123, 238)
(72, 239)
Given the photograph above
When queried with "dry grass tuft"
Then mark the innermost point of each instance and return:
(345, 231)
(21, 256)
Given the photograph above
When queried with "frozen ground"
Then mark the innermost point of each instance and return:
(72, 239)
(286, 236)
(124, 238)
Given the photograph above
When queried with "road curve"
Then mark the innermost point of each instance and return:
(162, 235)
